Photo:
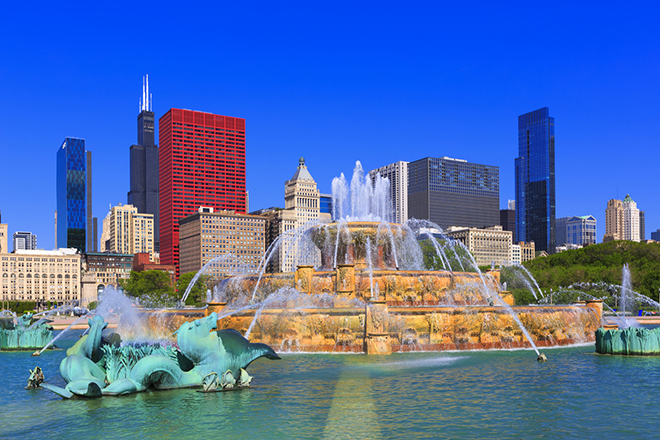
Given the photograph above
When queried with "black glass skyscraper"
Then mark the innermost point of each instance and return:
(535, 180)
(71, 175)
(143, 192)
(454, 192)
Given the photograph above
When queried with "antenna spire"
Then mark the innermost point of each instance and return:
(145, 104)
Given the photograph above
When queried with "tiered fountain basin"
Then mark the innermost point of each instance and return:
(631, 341)
(399, 328)
(427, 328)
(365, 304)
(348, 283)
(22, 335)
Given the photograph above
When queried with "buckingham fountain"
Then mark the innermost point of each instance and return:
(361, 285)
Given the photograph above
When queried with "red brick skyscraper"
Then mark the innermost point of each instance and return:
(202, 163)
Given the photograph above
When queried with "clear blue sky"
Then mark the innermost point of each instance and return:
(334, 82)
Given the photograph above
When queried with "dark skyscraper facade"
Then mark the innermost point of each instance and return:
(92, 228)
(144, 188)
(202, 163)
(535, 180)
(454, 192)
(508, 222)
(71, 174)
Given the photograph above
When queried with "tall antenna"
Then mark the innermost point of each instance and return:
(143, 100)
(145, 103)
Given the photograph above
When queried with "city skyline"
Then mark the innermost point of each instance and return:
(441, 85)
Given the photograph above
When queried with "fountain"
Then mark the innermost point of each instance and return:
(627, 337)
(365, 289)
(23, 333)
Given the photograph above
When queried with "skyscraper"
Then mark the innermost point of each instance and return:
(508, 218)
(398, 174)
(71, 186)
(24, 241)
(92, 225)
(535, 180)
(560, 231)
(613, 221)
(201, 163)
(302, 207)
(144, 164)
(630, 219)
(127, 232)
(454, 192)
(623, 220)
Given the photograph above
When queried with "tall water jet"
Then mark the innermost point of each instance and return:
(626, 286)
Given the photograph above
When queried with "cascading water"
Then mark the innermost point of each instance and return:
(530, 277)
(370, 267)
(212, 263)
(52, 341)
(494, 298)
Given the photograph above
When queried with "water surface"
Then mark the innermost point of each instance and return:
(501, 394)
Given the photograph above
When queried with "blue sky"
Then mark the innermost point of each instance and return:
(334, 82)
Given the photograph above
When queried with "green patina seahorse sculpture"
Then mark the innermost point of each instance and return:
(201, 352)
(79, 369)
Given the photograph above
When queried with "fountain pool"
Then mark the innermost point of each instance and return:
(467, 394)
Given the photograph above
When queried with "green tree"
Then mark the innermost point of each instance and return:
(601, 263)
(151, 287)
(197, 295)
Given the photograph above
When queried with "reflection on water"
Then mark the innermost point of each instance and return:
(410, 395)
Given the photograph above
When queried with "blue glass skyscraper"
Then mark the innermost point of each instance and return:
(535, 179)
(72, 194)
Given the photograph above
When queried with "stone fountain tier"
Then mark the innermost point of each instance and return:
(377, 328)
(396, 287)
(351, 245)
(630, 341)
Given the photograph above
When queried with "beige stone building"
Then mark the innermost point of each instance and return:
(622, 220)
(302, 208)
(125, 231)
(527, 251)
(40, 275)
(4, 240)
(631, 226)
(108, 268)
(613, 221)
(206, 235)
(489, 245)
(302, 196)
(281, 223)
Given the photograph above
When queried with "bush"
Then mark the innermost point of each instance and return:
(20, 307)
